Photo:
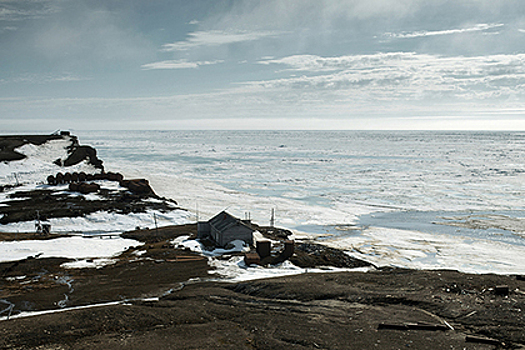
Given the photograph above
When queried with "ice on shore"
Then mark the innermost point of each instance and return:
(418, 250)
(65, 247)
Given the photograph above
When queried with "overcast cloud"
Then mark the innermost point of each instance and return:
(372, 64)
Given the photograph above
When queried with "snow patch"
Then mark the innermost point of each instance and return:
(237, 246)
(89, 263)
(65, 247)
(104, 222)
(235, 270)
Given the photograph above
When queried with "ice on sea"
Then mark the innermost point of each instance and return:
(387, 172)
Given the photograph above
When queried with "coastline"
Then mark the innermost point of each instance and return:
(382, 308)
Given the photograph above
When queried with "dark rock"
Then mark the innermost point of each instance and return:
(138, 186)
(313, 255)
(502, 290)
(114, 177)
(74, 187)
(81, 153)
(86, 188)
(8, 144)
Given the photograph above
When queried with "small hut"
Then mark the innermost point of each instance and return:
(224, 228)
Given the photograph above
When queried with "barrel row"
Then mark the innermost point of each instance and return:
(68, 178)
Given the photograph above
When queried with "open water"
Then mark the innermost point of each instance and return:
(405, 198)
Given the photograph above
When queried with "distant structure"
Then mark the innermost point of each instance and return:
(263, 253)
(224, 228)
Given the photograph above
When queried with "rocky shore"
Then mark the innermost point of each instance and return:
(55, 198)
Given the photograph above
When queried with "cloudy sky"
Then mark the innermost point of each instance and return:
(268, 64)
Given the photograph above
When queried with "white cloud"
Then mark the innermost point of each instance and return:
(425, 33)
(404, 76)
(23, 9)
(216, 38)
(44, 78)
(178, 64)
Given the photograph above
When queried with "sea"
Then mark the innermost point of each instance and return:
(414, 199)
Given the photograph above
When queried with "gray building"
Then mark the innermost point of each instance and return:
(224, 228)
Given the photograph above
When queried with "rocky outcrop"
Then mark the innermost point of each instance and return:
(8, 144)
(78, 154)
(312, 255)
(77, 181)
(138, 186)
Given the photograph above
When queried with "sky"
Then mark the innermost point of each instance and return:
(269, 64)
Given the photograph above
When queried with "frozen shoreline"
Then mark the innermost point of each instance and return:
(410, 246)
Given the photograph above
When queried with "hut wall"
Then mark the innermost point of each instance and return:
(237, 232)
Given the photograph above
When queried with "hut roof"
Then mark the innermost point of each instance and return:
(224, 220)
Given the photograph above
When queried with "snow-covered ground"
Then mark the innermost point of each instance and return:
(32, 172)
(233, 269)
(39, 163)
(104, 222)
(96, 252)
(317, 185)
(74, 247)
